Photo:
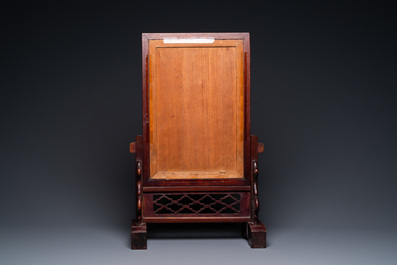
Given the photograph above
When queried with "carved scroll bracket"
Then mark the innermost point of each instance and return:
(132, 148)
(138, 191)
(136, 147)
(255, 204)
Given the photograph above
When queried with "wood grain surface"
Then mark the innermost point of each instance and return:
(196, 110)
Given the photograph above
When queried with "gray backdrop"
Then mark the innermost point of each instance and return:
(324, 97)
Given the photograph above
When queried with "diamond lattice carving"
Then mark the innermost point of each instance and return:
(196, 203)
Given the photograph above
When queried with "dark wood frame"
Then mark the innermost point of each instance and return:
(254, 230)
(147, 182)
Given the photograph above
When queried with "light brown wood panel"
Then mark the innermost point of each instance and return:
(196, 110)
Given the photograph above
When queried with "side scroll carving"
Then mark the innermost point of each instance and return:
(256, 231)
(138, 192)
(255, 173)
(256, 148)
(138, 227)
(137, 148)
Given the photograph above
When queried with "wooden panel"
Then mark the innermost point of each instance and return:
(196, 107)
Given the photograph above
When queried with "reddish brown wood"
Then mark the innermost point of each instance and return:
(261, 147)
(210, 219)
(138, 236)
(204, 141)
(162, 198)
(219, 36)
(138, 228)
(197, 182)
(254, 180)
(138, 178)
(247, 108)
(149, 213)
(147, 181)
(256, 233)
(132, 148)
(145, 107)
(195, 188)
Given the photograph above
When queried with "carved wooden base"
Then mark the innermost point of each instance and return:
(138, 236)
(256, 233)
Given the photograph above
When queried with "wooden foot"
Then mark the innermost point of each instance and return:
(256, 234)
(138, 236)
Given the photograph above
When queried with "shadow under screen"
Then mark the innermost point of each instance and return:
(194, 230)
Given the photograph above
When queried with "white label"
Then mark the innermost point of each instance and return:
(201, 40)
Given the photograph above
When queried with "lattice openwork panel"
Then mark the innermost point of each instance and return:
(196, 203)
